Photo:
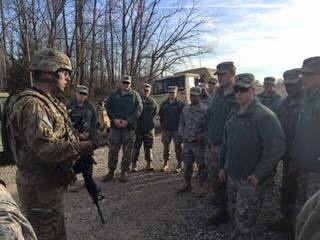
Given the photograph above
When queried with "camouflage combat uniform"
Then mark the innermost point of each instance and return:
(288, 116)
(191, 127)
(216, 115)
(127, 107)
(169, 120)
(305, 151)
(145, 129)
(253, 144)
(44, 145)
(13, 225)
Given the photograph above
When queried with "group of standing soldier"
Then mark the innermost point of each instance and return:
(234, 137)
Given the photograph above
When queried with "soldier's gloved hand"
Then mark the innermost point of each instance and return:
(87, 147)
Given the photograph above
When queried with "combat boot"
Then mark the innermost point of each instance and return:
(222, 216)
(178, 168)
(165, 167)
(200, 191)
(134, 167)
(149, 167)
(109, 176)
(283, 224)
(185, 188)
(123, 177)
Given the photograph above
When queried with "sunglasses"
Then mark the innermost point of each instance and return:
(239, 89)
(84, 94)
(125, 83)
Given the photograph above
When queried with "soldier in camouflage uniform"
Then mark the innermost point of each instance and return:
(191, 128)
(269, 97)
(218, 110)
(253, 143)
(44, 144)
(212, 86)
(145, 129)
(204, 97)
(288, 115)
(84, 120)
(305, 150)
(13, 225)
(124, 107)
(170, 111)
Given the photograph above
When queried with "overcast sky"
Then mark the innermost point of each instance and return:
(261, 37)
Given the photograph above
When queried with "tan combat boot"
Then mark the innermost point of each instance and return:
(134, 167)
(109, 176)
(165, 167)
(123, 177)
(149, 167)
(185, 188)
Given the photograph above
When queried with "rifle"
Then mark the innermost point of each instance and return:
(83, 165)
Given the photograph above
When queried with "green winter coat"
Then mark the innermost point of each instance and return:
(127, 107)
(217, 113)
(253, 142)
(170, 114)
(145, 122)
(305, 151)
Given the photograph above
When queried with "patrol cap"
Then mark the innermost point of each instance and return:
(311, 65)
(292, 76)
(126, 78)
(225, 67)
(172, 89)
(147, 86)
(82, 89)
(212, 80)
(195, 91)
(269, 80)
(245, 80)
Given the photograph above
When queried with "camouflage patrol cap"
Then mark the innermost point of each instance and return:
(269, 80)
(225, 67)
(195, 91)
(245, 80)
(126, 78)
(147, 86)
(292, 76)
(50, 60)
(82, 89)
(311, 65)
(172, 89)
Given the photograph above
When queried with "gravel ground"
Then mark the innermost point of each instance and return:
(147, 207)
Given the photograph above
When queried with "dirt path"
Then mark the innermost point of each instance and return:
(146, 208)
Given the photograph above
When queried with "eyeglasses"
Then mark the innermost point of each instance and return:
(238, 89)
(125, 83)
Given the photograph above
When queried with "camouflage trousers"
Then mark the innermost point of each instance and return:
(191, 153)
(147, 139)
(44, 208)
(245, 203)
(308, 185)
(288, 188)
(166, 138)
(118, 138)
(212, 157)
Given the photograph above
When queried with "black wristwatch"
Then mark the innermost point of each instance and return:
(3, 183)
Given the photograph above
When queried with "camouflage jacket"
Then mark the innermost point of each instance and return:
(305, 150)
(288, 114)
(192, 122)
(42, 139)
(270, 100)
(13, 225)
(253, 142)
